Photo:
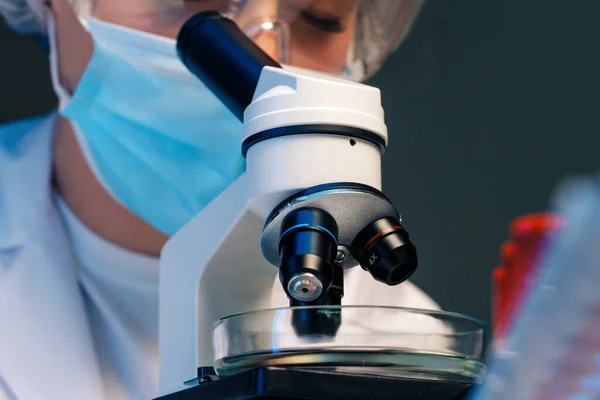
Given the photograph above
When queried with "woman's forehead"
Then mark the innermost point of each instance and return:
(155, 7)
(332, 7)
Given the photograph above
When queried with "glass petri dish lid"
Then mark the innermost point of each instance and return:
(392, 341)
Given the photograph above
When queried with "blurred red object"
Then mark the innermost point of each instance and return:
(512, 279)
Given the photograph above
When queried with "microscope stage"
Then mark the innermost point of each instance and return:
(315, 384)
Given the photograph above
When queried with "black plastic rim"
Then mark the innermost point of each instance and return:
(321, 129)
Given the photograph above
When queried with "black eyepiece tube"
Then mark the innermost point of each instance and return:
(229, 63)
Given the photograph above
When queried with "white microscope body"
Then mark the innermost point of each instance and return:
(308, 206)
(214, 266)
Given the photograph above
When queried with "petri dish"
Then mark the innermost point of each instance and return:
(392, 341)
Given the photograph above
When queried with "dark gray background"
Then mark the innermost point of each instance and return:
(489, 104)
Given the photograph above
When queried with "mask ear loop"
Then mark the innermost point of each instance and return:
(61, 93)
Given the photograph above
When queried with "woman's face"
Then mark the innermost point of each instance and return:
(320, 32)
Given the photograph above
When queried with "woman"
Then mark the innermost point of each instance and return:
(90, 194)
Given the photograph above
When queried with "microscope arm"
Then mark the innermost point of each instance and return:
(211, 268)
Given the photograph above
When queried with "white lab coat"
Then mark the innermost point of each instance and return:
(46, 348)
(46, 345)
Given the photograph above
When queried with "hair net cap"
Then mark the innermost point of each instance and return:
(382, 25)
(25, 16)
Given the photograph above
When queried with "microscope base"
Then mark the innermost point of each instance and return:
(304, 384)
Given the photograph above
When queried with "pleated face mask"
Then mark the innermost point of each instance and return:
(156, 138)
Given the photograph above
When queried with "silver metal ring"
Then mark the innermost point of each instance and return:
(305, 287)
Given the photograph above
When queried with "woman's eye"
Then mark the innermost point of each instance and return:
(327, 24)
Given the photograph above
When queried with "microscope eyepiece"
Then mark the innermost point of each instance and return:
(220, 54)
(383, 248)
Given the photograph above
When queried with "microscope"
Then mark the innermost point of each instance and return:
(308, 207)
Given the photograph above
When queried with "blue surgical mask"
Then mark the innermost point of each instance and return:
(156, 138)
